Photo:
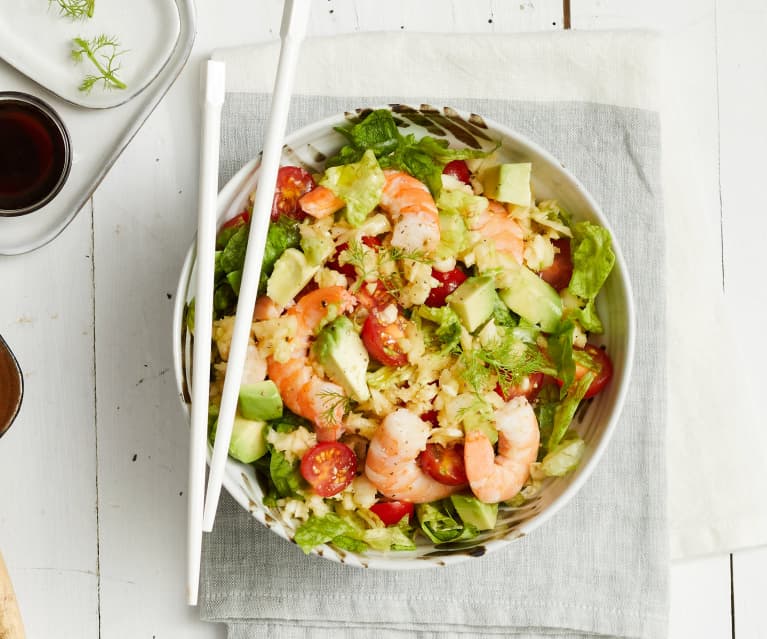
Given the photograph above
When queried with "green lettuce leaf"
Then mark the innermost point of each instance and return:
(282, 235)
(396, 537)
(441, 524)
(565, 412)
(377, 132)
(564, 458)
(424, 159)
(316, 531)
(560, 349)
(285, 475)
(448, 330)
(359, 184)
(454, 236)
(593, 259)
(352, 531)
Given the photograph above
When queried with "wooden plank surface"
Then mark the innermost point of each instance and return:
(750, 570)
(48, 525)
(143, 223)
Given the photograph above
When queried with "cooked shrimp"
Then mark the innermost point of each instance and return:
(266, 308)
(320, 202)
(496, 478)
(392, 460)
(301, 388)
(497, 226)
(411, 208)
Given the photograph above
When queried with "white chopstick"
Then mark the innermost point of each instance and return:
(212, 83)
(295, 19)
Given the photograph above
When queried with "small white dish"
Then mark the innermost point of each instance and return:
(37, 40)
(595, 421)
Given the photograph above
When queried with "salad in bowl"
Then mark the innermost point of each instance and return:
(429, 332)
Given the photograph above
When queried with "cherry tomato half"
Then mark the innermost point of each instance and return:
(448, 282)
(561, 270)
(603, 375)
(529, 388)
(348, 269)
(444, 463)
(431, 417)
(382, 340)
(459, 170)
(292, 183)
(237, 220)
(391, 512)
(380, 298)
(329, 467)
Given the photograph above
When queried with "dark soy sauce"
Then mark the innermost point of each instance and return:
(34, 154)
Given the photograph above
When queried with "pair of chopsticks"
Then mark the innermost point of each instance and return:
(202, 511)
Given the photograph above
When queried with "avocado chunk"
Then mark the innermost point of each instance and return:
(532, 298)
(291, 273)
(475, 512)
(509, 183)
(473, 301)
(260, 401)
(248, 441)
(343, 356)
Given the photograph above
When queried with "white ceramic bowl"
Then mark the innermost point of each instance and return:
(595, 421)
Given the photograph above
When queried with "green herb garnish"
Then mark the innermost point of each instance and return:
(331, 401)
(75, 9)
(103, 52)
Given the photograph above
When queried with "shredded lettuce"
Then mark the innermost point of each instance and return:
(564, 458)
(440, 523)
(566, 410)
(593, 259)
(285, 475)
(454, 236)
(424, 159)
(448, 331)
(560, 349)
(350, 531)
(359, 184)
(316, 531)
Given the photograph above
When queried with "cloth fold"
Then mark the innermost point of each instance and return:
(599, 567)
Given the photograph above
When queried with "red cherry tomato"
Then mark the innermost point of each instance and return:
(603, 375)
(292, 183)
(458, 169)
(448, 282)
(561, 270)
(529, 388)
(392, 512)
(431, 417)
(237, 220)
(382, 340)
(380, 298)
(329, 467)
(348, 269)
(444, 463)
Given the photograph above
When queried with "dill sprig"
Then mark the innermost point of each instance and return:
(103, 52)
(332, 400)
(356, 255)
(75, 9)
(506, 358)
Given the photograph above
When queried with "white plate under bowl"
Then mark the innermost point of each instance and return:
(37, 40)
(595, 421)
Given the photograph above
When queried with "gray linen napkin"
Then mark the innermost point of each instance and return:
(597, 568)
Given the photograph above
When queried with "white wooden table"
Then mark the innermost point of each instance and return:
(93, 504)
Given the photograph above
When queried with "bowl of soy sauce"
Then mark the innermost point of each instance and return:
(35, 154)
